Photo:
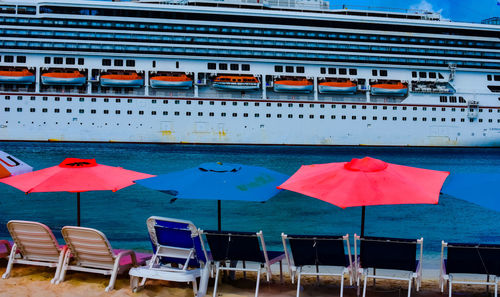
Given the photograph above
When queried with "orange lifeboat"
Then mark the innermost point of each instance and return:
(235, 82)
(293, 85)
(343, 87)
(132, 80)
(74, 78)
(181, 81)
(397, 89)
(24, 77)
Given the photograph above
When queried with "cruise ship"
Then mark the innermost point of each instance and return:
(268, 72)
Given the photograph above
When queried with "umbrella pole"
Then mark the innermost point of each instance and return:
(78, 208)
(219, 217)
(362, 221)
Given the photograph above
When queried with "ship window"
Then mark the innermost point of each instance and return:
(488, 76)
(47, 60)
(154, 101)
(81, 61)
(342, 71)
(81, 111)
(70, 61)
(353, 72)
(433, 109)
(32, 109)
(394, 118)
(256, 115)
(32, 98)
(130, 63)
(211, 66)
(106, 62)
(363, 118)
(374, 72)
(300, 69)
(343, 117)
(222, 66)
(422, 74)
(256, 104)
(413, 74)
(343, 106)
(291, 104)
(384, 118)
(19, 97)
(58, 60)
(9, 59)
(21, 59)
(453, 99)
(496, 77)
(245, 67)
(440, 76)
(432, 74)
(384, 107)
(105, 111)
(383, 72)
(332, 117)
(118, 62)
(289, 69)
(311, 116)
(223, 114)
(223, 103)
(322, 70)
(177, 64)
(56, 110)
(234, 66)
(443, 99)
(82, 99)
(332, 70)
(443, 119)
(68, 110)
(118, 100)
(153, 112)
(278, 68)
(461, 100)
(57, 98)
(93, 111)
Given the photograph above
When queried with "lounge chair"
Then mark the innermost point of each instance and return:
(318, 250)
(228, 246)
(469, 259)
(178, 255)
(4, 249)
(34, 244)
(389, 253)
(91, 252)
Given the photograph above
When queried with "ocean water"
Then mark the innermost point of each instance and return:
(122, 215)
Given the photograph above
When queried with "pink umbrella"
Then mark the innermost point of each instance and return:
(75, 175)
(367, 181)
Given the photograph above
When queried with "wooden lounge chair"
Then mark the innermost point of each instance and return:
(318, 250)
(380, 253)
(34, 244)
(91, 252)
(178, 255)
(228, 246)
(467, 258)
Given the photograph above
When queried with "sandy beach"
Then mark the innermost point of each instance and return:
(35, 281)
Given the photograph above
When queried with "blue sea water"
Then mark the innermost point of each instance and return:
(122, 215)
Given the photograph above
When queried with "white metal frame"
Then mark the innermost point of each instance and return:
(444, 277)
(297, 271)
(364, 273)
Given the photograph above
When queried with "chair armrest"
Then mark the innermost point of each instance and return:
(125, 253)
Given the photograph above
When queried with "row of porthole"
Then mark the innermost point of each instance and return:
(268, 115)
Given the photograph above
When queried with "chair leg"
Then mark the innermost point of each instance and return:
(258, 282)
(60, 262)
(342, 285)
(409, 286)
(205, 275)
(450, 285)
(299, 270)
(496, 287)
(12, 258)
(62, 273)
(364, 285)
(217, 269)
(195, 287)
(134, 283)
(114, 274)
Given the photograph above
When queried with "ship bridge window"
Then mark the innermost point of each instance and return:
(106, 62)
(118, 62)
(289, 69)
(9, 59)
(21, 59)
(342, 71)
(383, 72)
(332, 70)
(234, 66)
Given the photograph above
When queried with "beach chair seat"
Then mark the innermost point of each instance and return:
(34, 244)
(471, 259)
(90, 251)
(178, 255)
(228, 247)
(389, 254)
(318, 251)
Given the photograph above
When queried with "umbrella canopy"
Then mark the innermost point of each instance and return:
(75, 175)
(367, 181)
(217, 181)
(477, 188)
(12, 166)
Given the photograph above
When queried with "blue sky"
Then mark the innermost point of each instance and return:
(455, 10)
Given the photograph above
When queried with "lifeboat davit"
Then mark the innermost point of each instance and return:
(341, 87)
(171, 81)
(239, 83)
(122, 80)
(24, 77)
(286, 85)
(397, 89)
(74, 78)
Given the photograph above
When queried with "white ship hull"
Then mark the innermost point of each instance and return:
(24, 80)
(171, 84)
(72, 81)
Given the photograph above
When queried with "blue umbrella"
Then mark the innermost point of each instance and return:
(217, 181)
(477, 188)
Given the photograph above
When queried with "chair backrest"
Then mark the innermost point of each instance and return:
(174, 234)
(318, 250)
(239, 246)
(389, 253)
(89, 247)
(35, 240)
(473, 258)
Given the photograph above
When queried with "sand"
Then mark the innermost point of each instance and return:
(35, 281)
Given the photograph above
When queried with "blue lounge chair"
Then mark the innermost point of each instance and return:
(178, 255)
(318, 250)
(228, 246)
(469, 259)
(391, 254)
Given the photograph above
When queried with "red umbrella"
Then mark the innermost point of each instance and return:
(75, 175)
(367, 181)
